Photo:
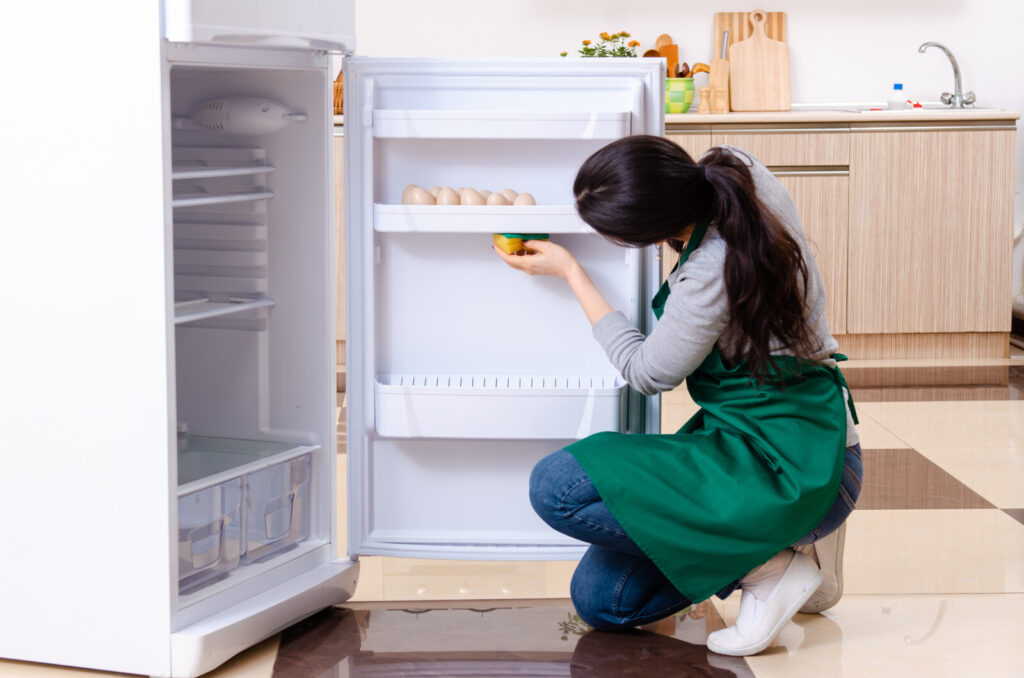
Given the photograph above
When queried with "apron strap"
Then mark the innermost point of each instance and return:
(841, 381)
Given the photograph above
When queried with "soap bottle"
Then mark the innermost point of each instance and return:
(897, 101)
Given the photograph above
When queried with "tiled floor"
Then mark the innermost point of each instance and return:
(934, 571)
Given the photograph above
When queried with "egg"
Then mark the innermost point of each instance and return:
(524, 199)
(407, 192)
(509, 194)
(447, 196)
(434, 190)
(469, 196)
(485, 193)
(420, 196)
(497, 199)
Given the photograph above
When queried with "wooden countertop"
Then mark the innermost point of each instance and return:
(825, 116)
(843, 116)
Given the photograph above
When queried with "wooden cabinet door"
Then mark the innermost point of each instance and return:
(696, 142)
(931, 221)
(822, 198)
(339, 240)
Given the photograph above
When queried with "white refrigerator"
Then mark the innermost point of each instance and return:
(166, 268)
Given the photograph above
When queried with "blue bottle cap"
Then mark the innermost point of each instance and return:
(898, 85)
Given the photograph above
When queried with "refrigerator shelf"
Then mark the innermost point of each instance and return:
(478, 219)
(204, 461)
(192, 310)
(497, 406)
(185, 172)
(204, 198)
(453, 124)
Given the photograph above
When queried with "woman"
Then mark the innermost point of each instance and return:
(771, 462)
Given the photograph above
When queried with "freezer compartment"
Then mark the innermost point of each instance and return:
(497, 406)
(209, 533)
(276, 508)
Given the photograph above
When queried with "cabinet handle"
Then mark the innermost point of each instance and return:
(811, 173)
(933, 128)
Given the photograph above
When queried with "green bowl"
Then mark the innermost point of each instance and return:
(678, 94)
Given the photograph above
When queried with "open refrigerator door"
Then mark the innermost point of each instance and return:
(462, 372)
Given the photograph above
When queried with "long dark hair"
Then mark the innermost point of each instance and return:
(641, 190)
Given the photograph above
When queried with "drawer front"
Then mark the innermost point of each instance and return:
(791, 148)
(694, 142)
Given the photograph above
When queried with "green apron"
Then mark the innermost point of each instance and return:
(753, 471)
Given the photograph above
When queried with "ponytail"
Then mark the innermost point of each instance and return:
(765, 271)
(641, 190)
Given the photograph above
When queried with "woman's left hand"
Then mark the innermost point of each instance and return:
(548, 259)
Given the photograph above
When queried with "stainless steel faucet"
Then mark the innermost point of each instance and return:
(957, 99)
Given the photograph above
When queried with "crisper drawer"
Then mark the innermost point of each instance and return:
(276, 510)
(239, 501)
(497, 406)
(209, 532)
(790, 147)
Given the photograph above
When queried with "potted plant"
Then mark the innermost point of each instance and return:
(609, 45)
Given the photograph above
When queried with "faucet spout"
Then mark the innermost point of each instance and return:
(957, 98)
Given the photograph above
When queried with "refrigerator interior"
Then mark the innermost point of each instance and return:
(468, 371)
(254, 337)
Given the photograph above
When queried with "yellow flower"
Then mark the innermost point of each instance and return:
(586, 42)
(634, 43)
(605, 36)
(624, 34)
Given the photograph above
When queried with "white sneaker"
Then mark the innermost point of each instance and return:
(772, 594)
(828, 554)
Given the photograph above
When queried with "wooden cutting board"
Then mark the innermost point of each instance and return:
(759, 71)
(739, 27)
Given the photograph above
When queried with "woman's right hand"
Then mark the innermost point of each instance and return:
(548, 258)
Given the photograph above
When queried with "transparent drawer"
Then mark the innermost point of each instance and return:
(276, 508)
(209, 533)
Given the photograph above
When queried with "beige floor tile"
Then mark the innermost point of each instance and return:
(676, 408)
(933, 551)
(924, 425)
(996, 473)
(13, 669)
(874, 436)
(938, 636)
(256, 662)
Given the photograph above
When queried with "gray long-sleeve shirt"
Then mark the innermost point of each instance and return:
(697, 312)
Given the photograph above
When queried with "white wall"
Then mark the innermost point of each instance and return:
(839, 51)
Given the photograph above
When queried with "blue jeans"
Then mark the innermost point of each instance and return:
(616, 585)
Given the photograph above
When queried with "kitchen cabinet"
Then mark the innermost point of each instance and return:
(909, 217)
(931, 213)
(822, 198)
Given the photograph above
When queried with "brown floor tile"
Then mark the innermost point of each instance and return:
(1016, 514)
(542, 640)
(928, 375)
(921, 394)
(905, 479)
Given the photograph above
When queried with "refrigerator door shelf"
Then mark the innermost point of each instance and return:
(497, 406)
(299, 24)
(505, 125)
(478, 219)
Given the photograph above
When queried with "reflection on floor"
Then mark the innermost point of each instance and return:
(934, 570)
